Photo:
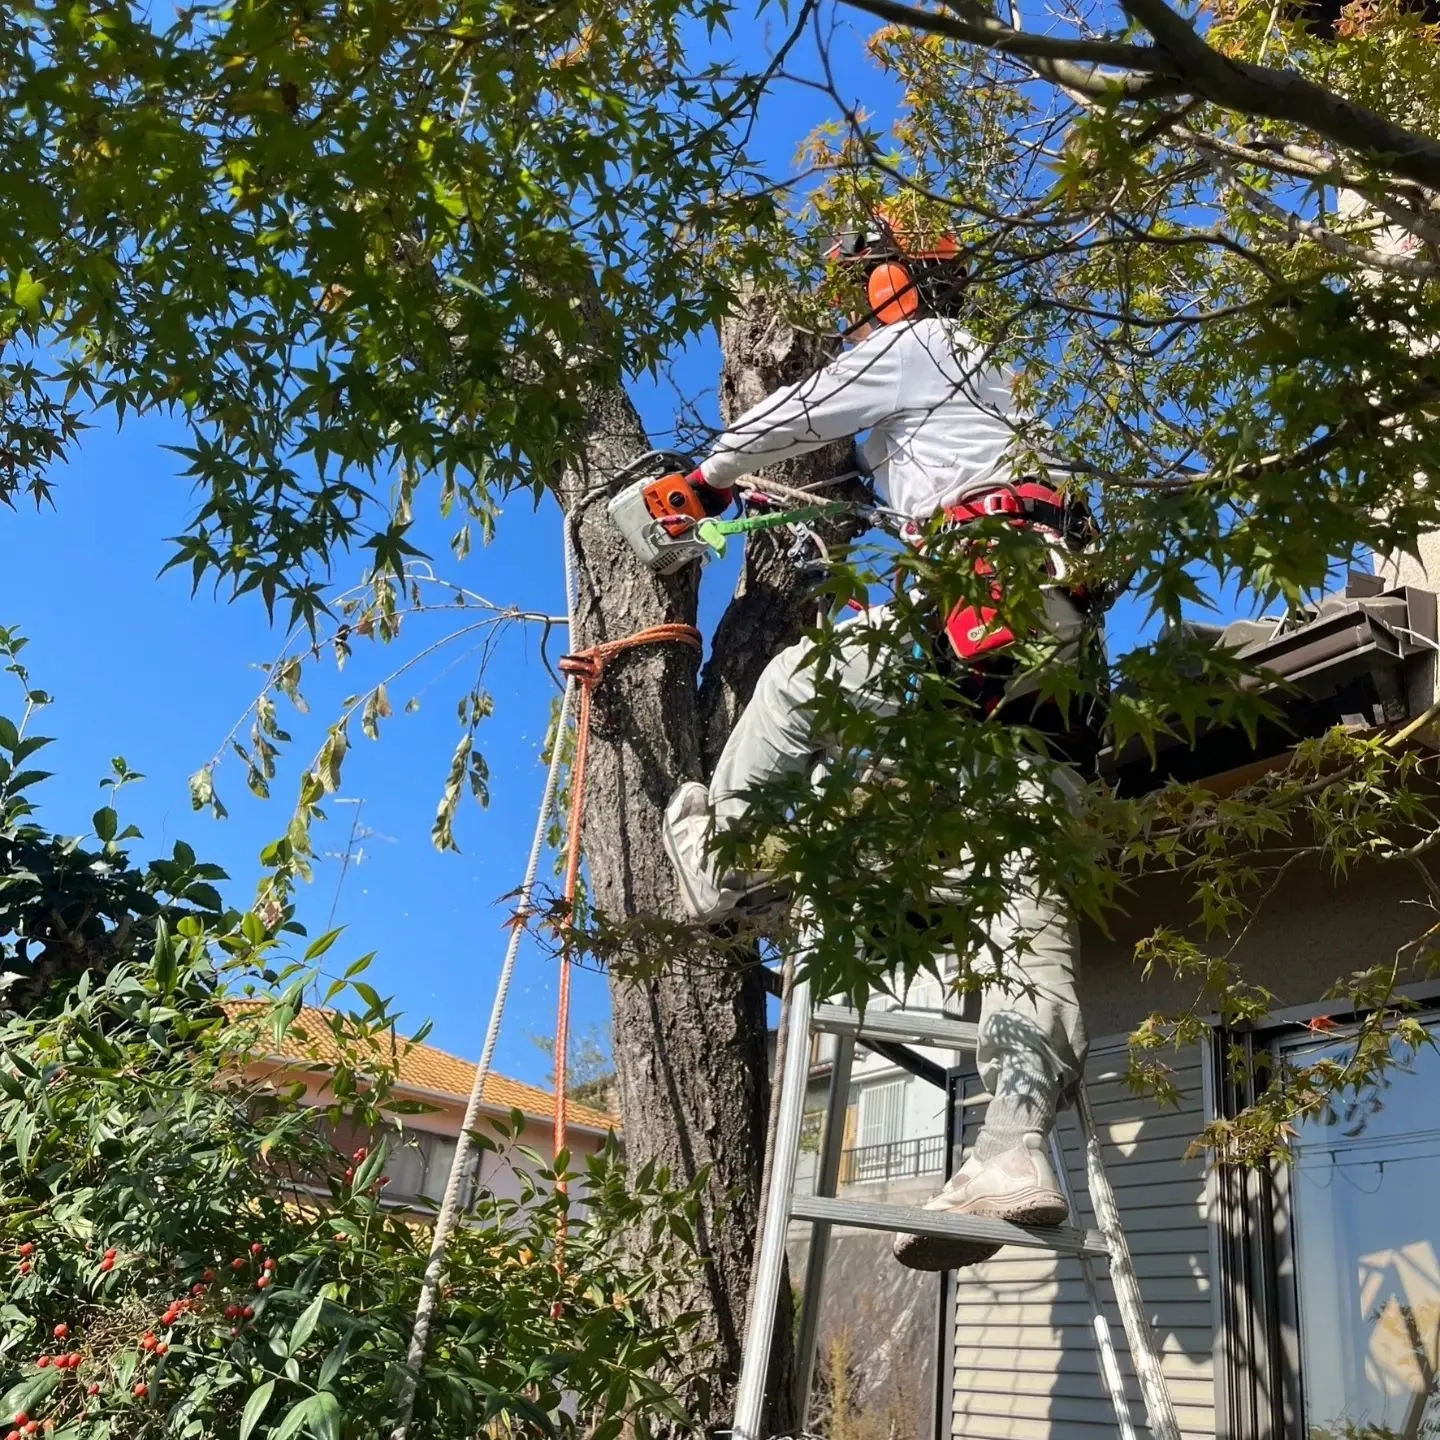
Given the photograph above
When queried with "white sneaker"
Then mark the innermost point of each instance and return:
(706, 894)
(1018, 1185)
(686, 834)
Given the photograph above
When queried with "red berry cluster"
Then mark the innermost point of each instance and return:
(237, 1314)
(359, 1157)
(71, 1361)
(67, 1362)
(150, 1343)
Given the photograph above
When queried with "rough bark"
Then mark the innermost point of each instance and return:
(690, 1053)
(690, 1043)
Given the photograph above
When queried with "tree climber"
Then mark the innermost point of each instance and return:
(942, 424)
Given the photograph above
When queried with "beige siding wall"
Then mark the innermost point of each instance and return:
(1024, 1357)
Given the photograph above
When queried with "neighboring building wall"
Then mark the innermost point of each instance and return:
(1312, 932)
(1024, 1362)
(414, 1168)
(1024, 1350)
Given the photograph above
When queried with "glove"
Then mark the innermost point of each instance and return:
(713, 500)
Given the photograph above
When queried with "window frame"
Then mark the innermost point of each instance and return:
(1259, 1391)
(1286, 1256)
(422, 1142)
(894, 1086)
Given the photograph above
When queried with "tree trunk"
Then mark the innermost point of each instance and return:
(690, 1051)
(689, 1043)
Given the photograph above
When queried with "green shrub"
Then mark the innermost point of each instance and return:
(183, 1253)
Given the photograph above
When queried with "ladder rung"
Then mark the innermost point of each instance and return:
(917, 1026)
(1061, 1239)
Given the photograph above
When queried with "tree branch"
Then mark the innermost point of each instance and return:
(1182, 63)
(1050, 56)
(1407, 265)
(1273, 94)
(1354, 425)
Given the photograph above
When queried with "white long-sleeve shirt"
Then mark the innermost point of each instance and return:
(941, 421)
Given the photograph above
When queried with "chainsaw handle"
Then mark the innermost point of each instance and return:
(651, 462)
(658, 462)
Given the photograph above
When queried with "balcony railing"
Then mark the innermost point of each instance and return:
(894, 1160)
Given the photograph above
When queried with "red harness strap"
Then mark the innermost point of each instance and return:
(1031, 504)
(972, 629)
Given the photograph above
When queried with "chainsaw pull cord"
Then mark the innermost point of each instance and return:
(587, 668)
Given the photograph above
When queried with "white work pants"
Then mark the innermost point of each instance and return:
(1032, 1018)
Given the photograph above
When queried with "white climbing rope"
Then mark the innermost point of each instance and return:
(449, 1216)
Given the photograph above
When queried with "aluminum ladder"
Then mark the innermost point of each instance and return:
(823, 1210)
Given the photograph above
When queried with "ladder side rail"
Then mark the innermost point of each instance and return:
(770, 1261)
(1107, 1361)
(827, 1180)
(1159, 1409)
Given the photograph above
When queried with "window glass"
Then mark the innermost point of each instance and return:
(439, 1157)
(1365, 1207)
(405, 1166)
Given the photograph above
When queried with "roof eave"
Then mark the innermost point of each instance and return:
(1317, 659)
(420, 1092)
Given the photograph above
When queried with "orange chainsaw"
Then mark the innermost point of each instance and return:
(658, 512)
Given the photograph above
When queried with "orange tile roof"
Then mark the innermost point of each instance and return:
(423, 1067)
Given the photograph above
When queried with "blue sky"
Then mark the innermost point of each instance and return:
(138, 668)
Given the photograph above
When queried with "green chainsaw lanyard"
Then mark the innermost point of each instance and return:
(714, 533)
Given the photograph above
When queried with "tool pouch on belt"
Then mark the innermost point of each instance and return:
(974, 630)
(973, 644)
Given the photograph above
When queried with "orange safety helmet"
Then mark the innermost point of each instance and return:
(907, 273)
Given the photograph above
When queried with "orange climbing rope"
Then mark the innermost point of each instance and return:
(588, 668)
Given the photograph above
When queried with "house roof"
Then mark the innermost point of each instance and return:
(424, 1068)
(1349, 660)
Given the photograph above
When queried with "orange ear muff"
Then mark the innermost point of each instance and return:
(892, 293)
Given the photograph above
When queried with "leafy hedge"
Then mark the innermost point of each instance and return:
(183, 1253)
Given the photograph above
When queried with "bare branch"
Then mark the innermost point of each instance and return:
(1262, 90)
(1323, 163)
(1315, 165)
(1050, 56)
(1182, 63)
(1407, 265)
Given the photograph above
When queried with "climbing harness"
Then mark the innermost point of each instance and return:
(975, 630)
(665, 526)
